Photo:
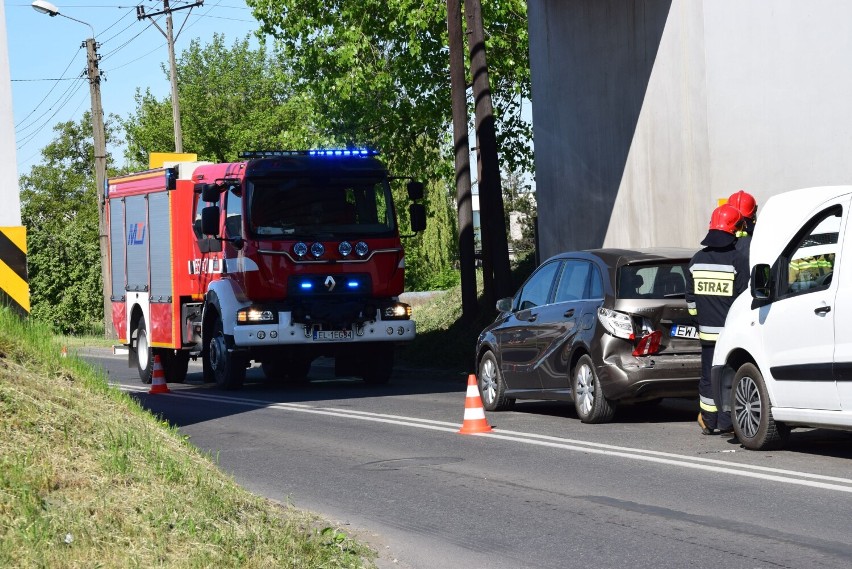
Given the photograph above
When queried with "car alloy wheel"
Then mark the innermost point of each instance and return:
(751, 412)
(747, 406)
(492, 388)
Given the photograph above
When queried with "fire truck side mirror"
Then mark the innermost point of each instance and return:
(417, 213)
(210, 220)
(209, 192)
(415, 190)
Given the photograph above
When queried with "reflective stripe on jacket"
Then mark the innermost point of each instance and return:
(716, 276)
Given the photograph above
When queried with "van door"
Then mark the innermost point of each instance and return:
(843, 325)
(798, 327)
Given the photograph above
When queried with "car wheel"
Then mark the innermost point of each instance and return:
(752, 412)
(229, 369)
(492, 388)
(589, 400)
(144, 353)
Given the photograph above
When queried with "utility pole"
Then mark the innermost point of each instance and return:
(497, 274)
(98, 134)
(170, 40)
(458, 89)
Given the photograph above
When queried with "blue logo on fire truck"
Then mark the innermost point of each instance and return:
(136, 234)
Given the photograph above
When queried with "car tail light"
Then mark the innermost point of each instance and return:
(648, 344)
(619, 324)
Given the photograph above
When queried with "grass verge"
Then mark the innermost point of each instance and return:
(90, 479)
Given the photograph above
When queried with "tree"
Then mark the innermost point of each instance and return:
(520, 204)
(60, 211)
(232, 99)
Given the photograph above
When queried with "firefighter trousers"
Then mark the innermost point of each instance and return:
(714, 417)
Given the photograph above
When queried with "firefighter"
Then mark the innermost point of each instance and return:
(747, 206)
(717, 275)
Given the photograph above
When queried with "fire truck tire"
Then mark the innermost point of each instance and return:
(229, 369)
(378, 366)
(175, 365)
(144, 353)
(284, 370)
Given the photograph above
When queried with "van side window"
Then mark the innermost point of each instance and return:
(808, 262)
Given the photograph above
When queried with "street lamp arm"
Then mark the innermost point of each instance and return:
(45, 7)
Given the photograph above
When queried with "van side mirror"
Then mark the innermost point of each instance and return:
(417, 213)
(209, 192)
(761, 283)
(210, 220)
(415, 190)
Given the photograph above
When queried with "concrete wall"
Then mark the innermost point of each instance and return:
(645, 113)
(10, 212)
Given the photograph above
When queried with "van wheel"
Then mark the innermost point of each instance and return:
(229, 369)
(144, 353)
(752, 412)
(589, 400)
(492, 387)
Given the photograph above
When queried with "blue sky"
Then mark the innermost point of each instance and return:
(47, 62)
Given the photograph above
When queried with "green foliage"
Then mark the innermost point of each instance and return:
(59, 209)
(231, 100)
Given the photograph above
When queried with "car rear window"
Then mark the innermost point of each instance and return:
(658, 280)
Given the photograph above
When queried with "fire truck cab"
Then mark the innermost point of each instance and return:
(278, 259)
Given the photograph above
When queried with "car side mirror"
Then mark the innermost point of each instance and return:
(415, 190)
(210, 220)
(504, 304)
(761, 283)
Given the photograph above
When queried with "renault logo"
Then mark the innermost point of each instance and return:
(329, 283)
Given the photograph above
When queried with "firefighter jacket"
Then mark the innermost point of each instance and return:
(716, 276)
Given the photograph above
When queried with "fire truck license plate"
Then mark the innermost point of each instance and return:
(681, 331)
(326, 335)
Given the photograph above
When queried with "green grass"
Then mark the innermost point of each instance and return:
(90, 479)
(445, 340)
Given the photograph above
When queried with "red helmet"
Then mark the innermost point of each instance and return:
(725, 218)
(744, 202)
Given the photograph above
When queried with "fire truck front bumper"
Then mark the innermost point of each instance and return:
(287, 332)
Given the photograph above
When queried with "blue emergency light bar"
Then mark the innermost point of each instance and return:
(306, 285)
(331, 152)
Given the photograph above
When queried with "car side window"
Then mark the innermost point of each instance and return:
(808, 261)
(573, 282)
(536, 291)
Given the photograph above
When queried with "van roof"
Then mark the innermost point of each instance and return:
(783, 215)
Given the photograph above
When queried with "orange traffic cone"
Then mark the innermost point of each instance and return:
(158, 378)
(474, 413)
(64, 352)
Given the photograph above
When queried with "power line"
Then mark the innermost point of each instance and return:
(62, 78)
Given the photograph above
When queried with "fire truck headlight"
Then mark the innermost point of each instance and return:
(256, 315)
(361, 248)
(300, 249)
(398, 311)
(317, 249)
(345, 248)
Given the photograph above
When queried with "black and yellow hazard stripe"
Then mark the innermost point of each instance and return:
(14, 285)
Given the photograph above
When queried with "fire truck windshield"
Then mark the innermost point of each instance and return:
(306, 207)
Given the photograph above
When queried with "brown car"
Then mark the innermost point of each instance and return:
(597, 327)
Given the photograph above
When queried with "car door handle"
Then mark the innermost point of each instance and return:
(822, 310)
(569, 313)
(532, 318)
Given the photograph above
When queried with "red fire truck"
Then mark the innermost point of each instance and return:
(279, 259)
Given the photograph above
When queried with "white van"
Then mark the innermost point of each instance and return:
(786, 350)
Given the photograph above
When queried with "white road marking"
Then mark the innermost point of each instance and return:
(684, 461)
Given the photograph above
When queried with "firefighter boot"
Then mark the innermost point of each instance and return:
(705, 430)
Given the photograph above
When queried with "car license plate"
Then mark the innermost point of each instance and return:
(332, 335)
(683, 331)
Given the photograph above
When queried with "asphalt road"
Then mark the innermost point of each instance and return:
(542, 490)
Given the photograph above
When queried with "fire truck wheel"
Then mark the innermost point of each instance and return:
(144, 353)
(175, 365)
(229, 369)
(378, 366)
